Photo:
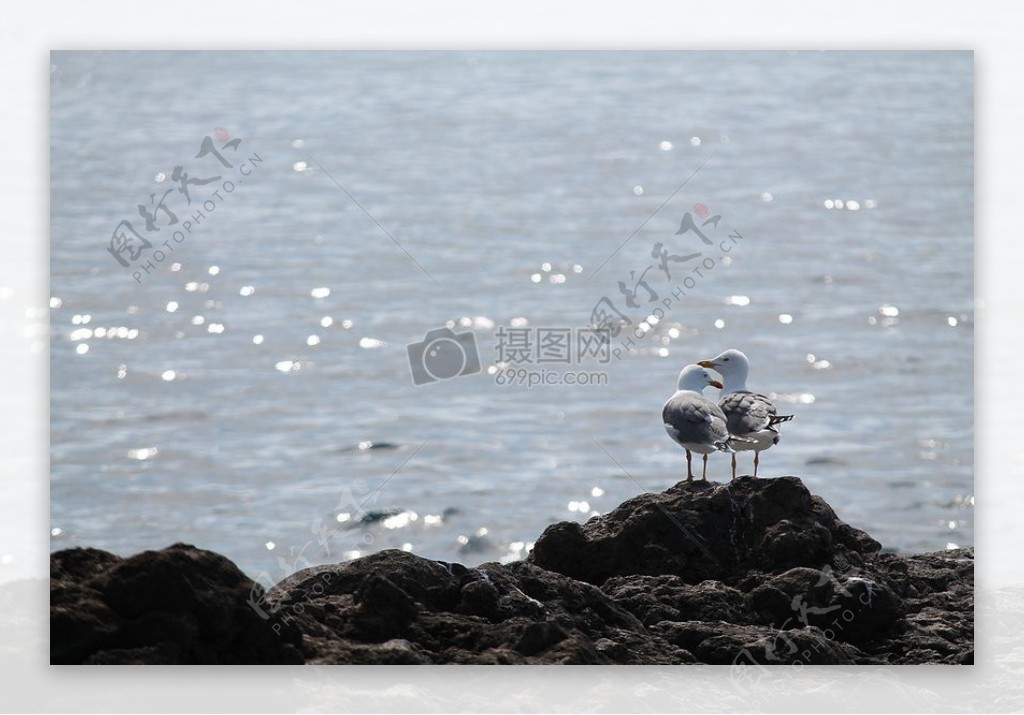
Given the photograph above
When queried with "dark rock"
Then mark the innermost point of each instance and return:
(653, 599)
(938, 597)
(722, 643)
(538, 637)
(850, 607)
(178, 605)
(480, 598)
(755, 572)
(703, 530)
(451, 614)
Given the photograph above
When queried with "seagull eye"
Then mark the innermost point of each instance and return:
(725, 359)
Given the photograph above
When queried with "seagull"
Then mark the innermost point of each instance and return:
(750, 415)
(696, 423)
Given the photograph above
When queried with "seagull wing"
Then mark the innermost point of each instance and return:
(694, 419)
(748, 412)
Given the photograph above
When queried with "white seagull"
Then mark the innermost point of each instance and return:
(751, 415)
(696, 423)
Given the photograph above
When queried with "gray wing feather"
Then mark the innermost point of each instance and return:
(696, 419)
(747, 412)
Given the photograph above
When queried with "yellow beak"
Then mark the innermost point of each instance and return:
(716, 383)
(708, 363)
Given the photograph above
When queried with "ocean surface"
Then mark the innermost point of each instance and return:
(252, 392)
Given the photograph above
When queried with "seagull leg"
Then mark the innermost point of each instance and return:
(757, 460)
(704, 474)
(689, 466)
(733, 465)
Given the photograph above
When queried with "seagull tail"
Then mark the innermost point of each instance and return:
(777, 419)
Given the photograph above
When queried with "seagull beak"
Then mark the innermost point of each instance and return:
(716, 383)
(708, 363)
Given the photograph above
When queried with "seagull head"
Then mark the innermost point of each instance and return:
(696, 378)
(731, 365)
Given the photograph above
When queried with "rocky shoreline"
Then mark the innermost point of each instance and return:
(754, 572)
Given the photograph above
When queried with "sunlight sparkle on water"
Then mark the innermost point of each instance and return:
(400, 520)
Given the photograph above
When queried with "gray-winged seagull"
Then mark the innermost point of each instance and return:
(696, 423)
(751, 415)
